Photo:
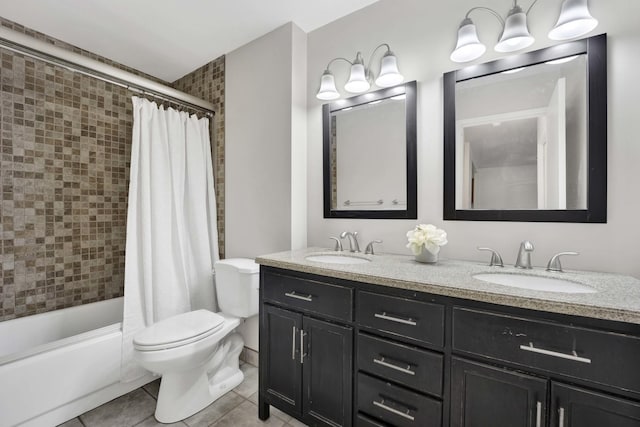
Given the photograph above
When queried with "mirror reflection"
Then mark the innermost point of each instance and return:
(521, 138)
(369, 154)
(525, 136)
(369, 142)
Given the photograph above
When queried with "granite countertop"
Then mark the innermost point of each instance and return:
(617, 297)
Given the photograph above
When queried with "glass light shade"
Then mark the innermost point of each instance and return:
(515, 35)
(574, 21)
(357, 79)
(327, 91)
(389, 73)
(468, 47)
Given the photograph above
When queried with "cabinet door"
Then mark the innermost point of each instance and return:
(283, 370)
(327, 373)
(484, 396)
(575, 407)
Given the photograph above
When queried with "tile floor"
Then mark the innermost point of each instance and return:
(238, 408)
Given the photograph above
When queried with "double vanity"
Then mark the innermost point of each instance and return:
(381, 340)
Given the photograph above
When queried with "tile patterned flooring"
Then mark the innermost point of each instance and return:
(238, 408)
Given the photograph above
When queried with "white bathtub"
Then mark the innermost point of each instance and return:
(55, 366)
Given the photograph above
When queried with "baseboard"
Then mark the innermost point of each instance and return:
(249, 356)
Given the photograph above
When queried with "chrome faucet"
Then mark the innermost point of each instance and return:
(554, 262)
(338, 246)
(496, 259)
(524, 255)
(353, 240)
(369, 249)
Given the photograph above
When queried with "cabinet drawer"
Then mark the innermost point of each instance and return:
(309, 295)
(602, 357)
(365, 421)
(396, 405)
(412, 367)
(415, 320)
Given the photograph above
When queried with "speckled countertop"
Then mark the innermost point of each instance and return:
(617, 297)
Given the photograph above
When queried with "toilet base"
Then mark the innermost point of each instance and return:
(185, 393)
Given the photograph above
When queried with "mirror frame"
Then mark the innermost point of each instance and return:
(411, 212)
(596, 212)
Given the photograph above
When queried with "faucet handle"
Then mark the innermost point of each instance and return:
(554, 262)
(369, 249)
(496, 259)
(338, 246)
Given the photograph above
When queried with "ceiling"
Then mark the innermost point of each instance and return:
(169, 38)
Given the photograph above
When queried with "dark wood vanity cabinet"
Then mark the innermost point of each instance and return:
(483, 395)
(307, 361)
(577, 407)
(399, 359)
(341, 353)
(537, 360)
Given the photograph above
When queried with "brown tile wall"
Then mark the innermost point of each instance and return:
(65, 145)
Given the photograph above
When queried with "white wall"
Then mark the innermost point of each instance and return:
(422, 34)
(265, 172)
(298, 139)
(506, 187)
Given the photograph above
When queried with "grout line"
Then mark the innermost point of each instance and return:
(137, 424)
(148, 392)
(244, 399)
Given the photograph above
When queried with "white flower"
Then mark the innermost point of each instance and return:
(427, 236)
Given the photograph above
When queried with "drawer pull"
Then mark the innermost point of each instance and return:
(388, 364)
(393, 410)
(385, 316)
(573, 356)
(293, 294)
(538, 414)
(293, 344)
(561, 418)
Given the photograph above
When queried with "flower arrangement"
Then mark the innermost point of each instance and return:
(426, 236)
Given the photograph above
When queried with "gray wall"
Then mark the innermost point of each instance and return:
(265, 138)
(422, 34)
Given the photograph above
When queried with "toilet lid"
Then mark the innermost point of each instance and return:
(178, 330)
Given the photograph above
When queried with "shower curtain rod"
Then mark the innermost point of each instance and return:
(29, 46)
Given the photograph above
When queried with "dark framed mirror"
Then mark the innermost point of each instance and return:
(369, 155)
(525, 137)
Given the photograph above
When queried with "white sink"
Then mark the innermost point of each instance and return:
(535, 283)
(337, 259)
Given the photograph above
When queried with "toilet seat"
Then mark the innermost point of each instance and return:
(178, 330)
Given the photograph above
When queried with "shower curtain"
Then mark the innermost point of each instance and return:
(172, 239)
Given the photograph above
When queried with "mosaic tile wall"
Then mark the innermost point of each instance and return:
(207, 82)
(65, 144)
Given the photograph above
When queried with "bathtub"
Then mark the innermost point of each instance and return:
(55, 366)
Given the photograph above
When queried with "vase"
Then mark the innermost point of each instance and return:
(426, 256)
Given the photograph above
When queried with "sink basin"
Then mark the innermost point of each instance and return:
(535, 283)
(337, 259)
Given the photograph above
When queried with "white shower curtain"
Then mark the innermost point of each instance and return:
(172, 238)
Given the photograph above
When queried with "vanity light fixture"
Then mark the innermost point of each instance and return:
(574, 21)
(361, 77)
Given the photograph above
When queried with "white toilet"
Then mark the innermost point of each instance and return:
(195, 352)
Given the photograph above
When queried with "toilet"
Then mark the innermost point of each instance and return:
(197, 352)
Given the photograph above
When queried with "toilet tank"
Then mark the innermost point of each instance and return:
(237, 282)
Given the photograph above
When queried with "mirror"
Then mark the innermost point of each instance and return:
(525, 136)
(369, 160)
